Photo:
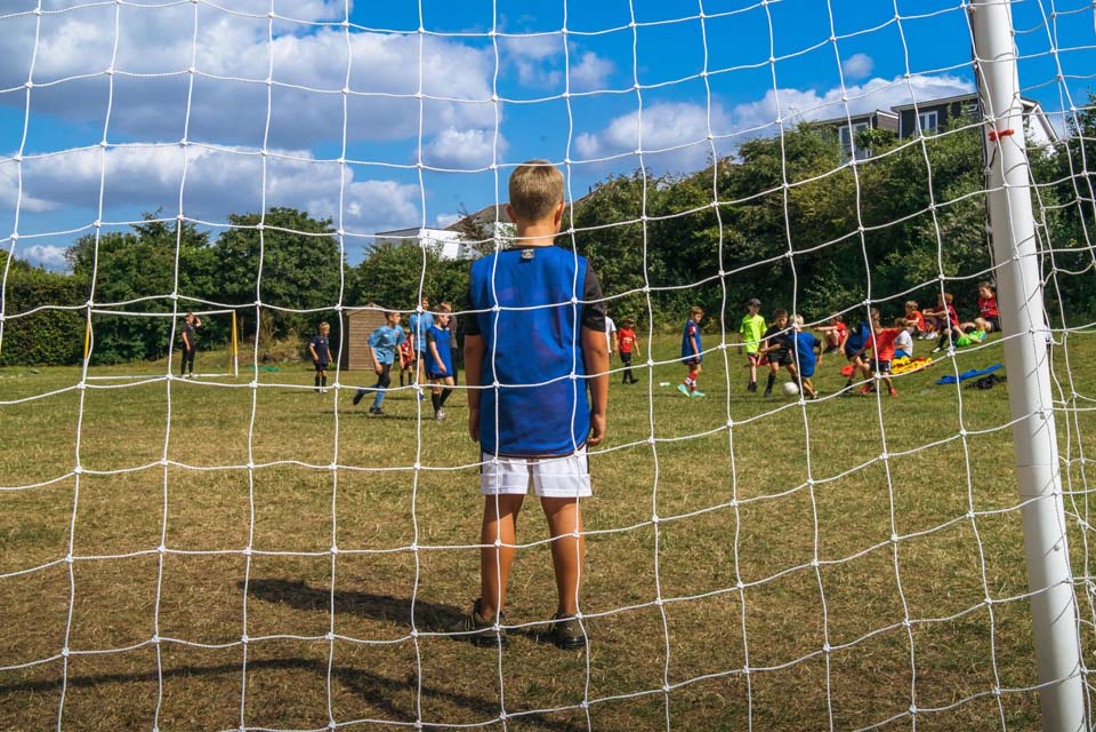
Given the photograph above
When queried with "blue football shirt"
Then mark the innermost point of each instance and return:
(804, 344)
(385, 340)
(419, 325)
(544, 296)
(440, 337)
(689, 336)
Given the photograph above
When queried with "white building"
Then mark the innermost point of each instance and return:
(447, 243)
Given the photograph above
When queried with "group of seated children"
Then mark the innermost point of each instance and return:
(869, 347)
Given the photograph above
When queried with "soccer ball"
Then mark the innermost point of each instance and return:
(790, 388)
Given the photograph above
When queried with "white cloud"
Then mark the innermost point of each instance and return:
(539, 61)
(857, 66)
(536, 58)
(218, 182)
(591, 72)
(678, 128)
(465, 149)
(796, 105)
(47, 255)
(10, 196)
(445, 220)
(309, 63)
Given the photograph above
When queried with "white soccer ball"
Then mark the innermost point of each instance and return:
(790, 388)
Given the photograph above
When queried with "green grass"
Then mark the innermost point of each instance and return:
(755, 504)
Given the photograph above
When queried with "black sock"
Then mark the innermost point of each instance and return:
(435, 399)
(317, 380)
(772, 380)
(323, 381)
(445, 395)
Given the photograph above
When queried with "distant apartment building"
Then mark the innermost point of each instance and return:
(448, 244)
(849, 128)
(927, 118)
(451, 242)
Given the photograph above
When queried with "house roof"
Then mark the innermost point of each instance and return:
(861, 115)
(1028, 104)
(486, 215)
(412, 231)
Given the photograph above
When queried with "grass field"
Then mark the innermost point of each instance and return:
(772, 545)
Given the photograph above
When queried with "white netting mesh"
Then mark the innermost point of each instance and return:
(245, 554)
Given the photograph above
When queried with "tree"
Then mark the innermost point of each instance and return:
(137, 271)
(46, 337)
(393, 275)
(286, 260)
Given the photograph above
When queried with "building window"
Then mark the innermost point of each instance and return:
(847, 137)
(927, 122)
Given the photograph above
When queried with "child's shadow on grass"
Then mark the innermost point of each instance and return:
(429, 616)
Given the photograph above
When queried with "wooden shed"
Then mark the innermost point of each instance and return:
(358, 324)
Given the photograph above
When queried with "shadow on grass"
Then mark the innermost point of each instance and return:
(377, 689)
(431, 617)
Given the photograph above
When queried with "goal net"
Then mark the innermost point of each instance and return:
(899, 541)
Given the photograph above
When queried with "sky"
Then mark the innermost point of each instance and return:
(400, 114)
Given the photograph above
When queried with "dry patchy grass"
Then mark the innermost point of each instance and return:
(772, 545)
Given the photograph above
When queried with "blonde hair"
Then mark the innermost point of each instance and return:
(536, 188)
(445, 307)
(325, 326)
(696, 310)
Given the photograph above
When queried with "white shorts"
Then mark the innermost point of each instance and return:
(553, 477)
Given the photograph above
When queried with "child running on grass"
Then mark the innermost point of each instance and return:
(627, 344)
(750, 331)
(383, 344)
(439, 360)
(539, 321)
(692, 353)
(807, 351)
(882, 346)
(856, 341)
(320, 350)
(777, 348)
(407, 358)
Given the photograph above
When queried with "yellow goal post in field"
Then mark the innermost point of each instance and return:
(231, 361)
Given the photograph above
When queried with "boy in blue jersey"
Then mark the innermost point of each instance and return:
(692, 353)
(807, 352)
(383, 345)
(320, 350)
(420, 323)
(533, 347)
(439, 360)
(858, 340)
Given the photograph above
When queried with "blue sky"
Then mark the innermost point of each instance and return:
(529, 90)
